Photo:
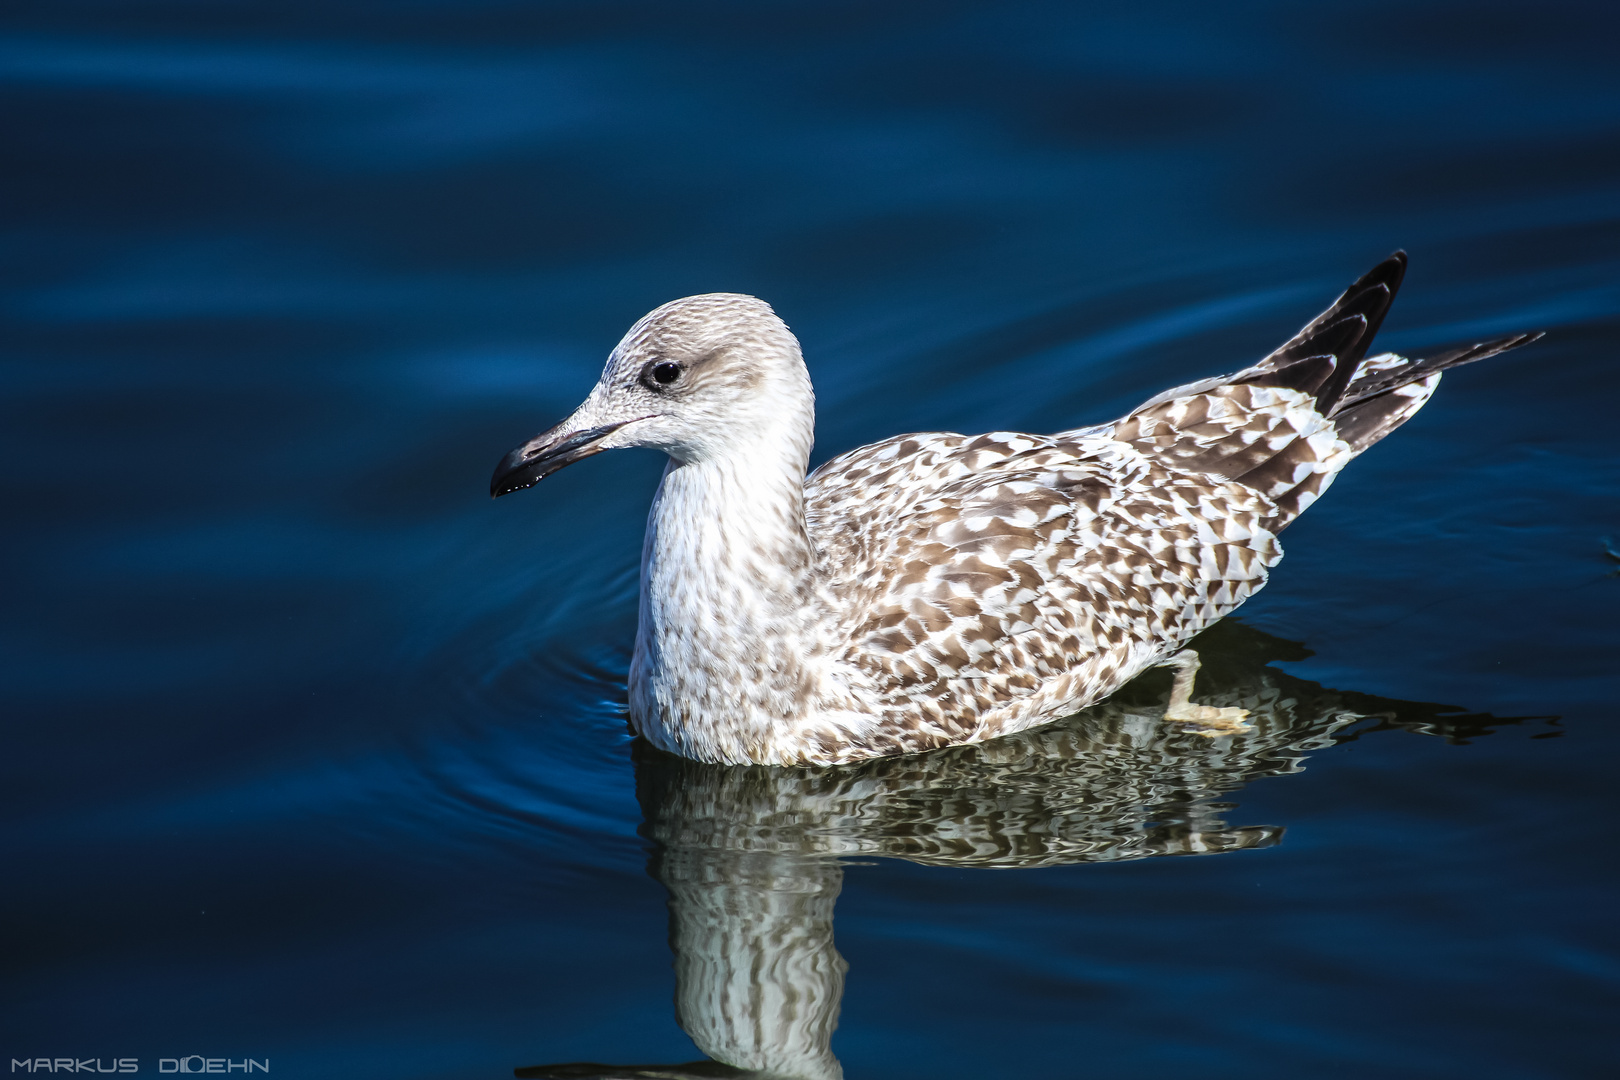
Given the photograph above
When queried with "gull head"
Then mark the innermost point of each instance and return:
(700, 378)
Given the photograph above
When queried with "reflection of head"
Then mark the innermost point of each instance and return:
(749, 853)
(757, 979)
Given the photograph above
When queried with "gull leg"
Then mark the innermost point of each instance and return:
(1215, 721)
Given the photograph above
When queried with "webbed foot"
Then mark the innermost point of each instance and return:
(1213, 721)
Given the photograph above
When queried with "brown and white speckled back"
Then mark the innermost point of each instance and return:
(1024, 577)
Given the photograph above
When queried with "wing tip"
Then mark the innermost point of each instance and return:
(1389, 272)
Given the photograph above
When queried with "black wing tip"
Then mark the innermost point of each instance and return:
(1388, 273)
(1374, 385)
(1482, 350)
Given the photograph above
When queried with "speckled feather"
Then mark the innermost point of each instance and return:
(1024, 575)
(936, 588)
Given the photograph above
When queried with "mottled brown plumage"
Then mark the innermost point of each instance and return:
(936, 588)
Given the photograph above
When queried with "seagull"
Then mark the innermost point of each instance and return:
(935, 588)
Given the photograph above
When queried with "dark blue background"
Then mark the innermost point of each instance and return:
(311, 752)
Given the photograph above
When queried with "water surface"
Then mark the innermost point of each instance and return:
(313, 753)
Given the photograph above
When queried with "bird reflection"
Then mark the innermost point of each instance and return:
(751, 855)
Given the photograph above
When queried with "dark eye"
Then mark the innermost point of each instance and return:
(665, 373)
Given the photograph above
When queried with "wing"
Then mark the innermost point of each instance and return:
(1286, 425)
(990, 584)
(1021, 577)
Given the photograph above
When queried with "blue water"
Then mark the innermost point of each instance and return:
(313, 754)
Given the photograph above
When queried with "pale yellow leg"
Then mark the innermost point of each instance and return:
(1215, 721)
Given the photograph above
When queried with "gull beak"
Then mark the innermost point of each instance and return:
(545, 454)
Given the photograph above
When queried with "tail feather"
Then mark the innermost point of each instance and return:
(1370, 419)
(1382, 374)
(1287, 425)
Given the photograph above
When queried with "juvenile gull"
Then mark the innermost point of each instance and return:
(937, 588)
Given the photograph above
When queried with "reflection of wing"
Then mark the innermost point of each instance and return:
(1113, 782)
(749, 854)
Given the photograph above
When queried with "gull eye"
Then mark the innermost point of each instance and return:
(665, 373)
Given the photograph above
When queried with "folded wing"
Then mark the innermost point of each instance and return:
(997, 582)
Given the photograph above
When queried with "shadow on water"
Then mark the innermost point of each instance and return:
(752, 855)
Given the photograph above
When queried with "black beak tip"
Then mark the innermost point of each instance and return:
(543, 455)
(514, 473)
